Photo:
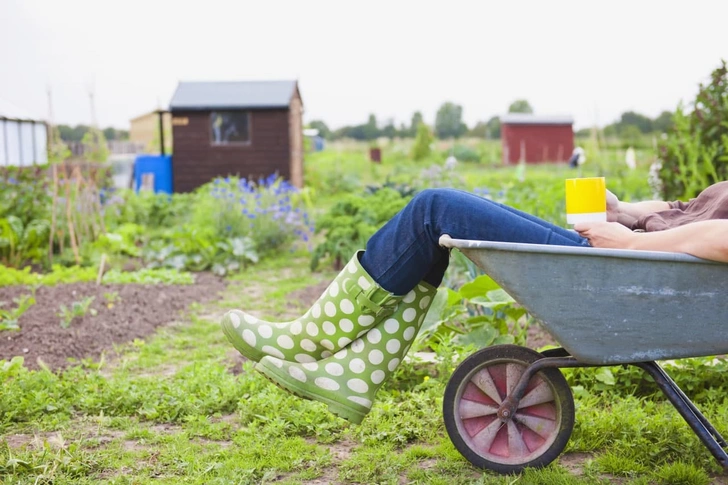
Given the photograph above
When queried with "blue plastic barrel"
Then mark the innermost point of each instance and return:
(153, 172)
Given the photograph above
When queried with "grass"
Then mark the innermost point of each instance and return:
(180, 408)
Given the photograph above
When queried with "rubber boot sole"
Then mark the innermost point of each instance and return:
(295, 387)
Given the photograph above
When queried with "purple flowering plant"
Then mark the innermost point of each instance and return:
(270, 211)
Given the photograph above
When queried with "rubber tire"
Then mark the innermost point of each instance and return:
(508, 353)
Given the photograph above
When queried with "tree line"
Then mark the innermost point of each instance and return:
(449, 124)
(76, 133)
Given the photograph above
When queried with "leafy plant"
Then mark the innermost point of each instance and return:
(77, 309)
(9, 318)
(196, 250)
(111, 298)
(268, 212)
(351, 221)
(20, 242)
(479, 314)
(694, 154)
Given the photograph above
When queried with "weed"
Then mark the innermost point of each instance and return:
(680, 473)
(77, 309)
(9, 318)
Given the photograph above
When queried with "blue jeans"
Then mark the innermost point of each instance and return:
(406, 251)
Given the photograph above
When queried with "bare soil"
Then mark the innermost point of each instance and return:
(137, 311)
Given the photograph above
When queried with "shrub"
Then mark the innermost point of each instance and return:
(422, 146)
(694, 154)
(268, 212)
(352, 221)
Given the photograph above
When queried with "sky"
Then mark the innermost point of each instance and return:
(591, 60)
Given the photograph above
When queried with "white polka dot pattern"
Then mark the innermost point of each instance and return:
(409, 315)
(250, 319)
(285, 342)
(357, 385)
(234, 319)
(249, 337)
(393, 346)
(346, 306)
(365, 320)
(265, 331)
(273, 351)
(327, 384)
(377, 376)
(374, 336)
(376, 357)
(351, 376)
(329, 309)
(343, 342)
(391, 326)
(334, 368)
(346, 325)
(357, 366)
(328, 328)
(297, 374)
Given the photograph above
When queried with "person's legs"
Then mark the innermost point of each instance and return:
(406, 251)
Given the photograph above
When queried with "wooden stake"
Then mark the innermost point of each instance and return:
(101, 269)
(54, 170)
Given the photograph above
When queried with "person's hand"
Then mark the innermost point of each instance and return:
(606, 234)
(612, 207)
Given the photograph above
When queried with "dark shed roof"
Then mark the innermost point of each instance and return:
(233, 95)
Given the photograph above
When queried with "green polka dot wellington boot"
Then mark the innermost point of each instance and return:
(349, 307)
(347, 381)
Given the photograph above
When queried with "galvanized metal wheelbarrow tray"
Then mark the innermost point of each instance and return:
(609, 306)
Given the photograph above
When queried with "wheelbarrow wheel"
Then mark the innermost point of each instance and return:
(537, 432)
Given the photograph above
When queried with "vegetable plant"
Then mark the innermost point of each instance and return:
(77, 309)
(9, 318)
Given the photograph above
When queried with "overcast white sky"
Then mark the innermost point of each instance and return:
(592, 60)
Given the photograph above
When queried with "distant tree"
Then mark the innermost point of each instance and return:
(113, 134)
(449, 121)
(663, 123)
(96, 149)
(417, 120)
(389, 130)
(370, 130)
(480, 130)
(323, 130)
(421, 148)
(520, 106)
(72, 134)
(642, 122)
(494, 127)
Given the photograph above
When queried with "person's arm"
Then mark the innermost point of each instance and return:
(704, 239)
(627, 213)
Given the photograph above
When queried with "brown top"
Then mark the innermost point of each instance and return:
(711, 203)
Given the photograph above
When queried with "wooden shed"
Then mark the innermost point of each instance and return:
(250, 129)
(536, 139)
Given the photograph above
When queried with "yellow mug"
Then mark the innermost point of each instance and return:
(586, 200)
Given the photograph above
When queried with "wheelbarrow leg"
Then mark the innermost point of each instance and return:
(707, 433)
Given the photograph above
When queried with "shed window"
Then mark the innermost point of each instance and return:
(229, 127)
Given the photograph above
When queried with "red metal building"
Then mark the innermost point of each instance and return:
(536, 139)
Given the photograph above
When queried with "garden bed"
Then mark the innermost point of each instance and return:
(116, 315)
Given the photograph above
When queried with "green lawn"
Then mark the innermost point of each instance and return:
(179, 408)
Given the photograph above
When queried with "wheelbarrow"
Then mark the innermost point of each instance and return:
(508, 407)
